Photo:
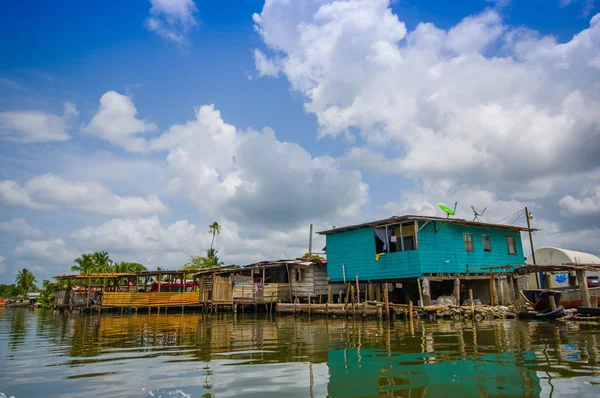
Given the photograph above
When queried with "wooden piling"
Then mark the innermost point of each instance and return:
(457, 290)
(330, 293)
(340, 298)
(309, 304)
(472, 303)
(378, 291)
(552, 302)
(583, 288)
(492, 301)
(410, 311)
(357, 290)
(353, 299)
(420, 292)
(501, 292)
(387, 301)
(594, 301)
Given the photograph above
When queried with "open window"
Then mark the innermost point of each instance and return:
(401, 237)
(381, 245)
(512, 246)
(487, 243)
(299, 274)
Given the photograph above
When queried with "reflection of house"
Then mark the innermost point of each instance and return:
(439, 250)
(368, 373)
(556, 256)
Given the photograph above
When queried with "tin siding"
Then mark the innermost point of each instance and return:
(444, 251)
(356, 250)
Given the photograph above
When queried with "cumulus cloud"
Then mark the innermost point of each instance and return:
(172, 19)
(13, 194)
(588, 204)
(19, 226)
(36, 126)
(50, 191)
(116, 122)
(252, 178)
(54, 251)
(444, 99)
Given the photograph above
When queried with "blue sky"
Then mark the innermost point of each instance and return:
(366, 115)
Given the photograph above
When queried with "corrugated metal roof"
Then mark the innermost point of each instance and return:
(399, 219)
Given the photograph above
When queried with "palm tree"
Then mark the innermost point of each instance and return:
(102, 262)
(212, 260)
(214, 229)
(83, 264)
(25, 280)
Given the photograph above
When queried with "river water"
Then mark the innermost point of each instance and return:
(47, 354)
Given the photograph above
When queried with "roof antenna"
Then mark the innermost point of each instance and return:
(449, 212)
(477, 213)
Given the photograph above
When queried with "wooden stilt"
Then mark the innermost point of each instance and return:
(583, 288)
(387, 302)
(410, 311)
(492, 301)
(457, 291)
(330, 294)
(357, 290)
(378, 291)
(472, 303)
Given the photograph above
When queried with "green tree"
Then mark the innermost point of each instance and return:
(214, 229)
(11, 291)
(195, 263)
(25, 280)
(127, 267)
(212, 259)
(309, 255)
(91, 263)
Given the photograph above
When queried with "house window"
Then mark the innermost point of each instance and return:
(487, 243)
(512, 247)
(299, 275)
(468, 239)
(381, 245)
(402, 237)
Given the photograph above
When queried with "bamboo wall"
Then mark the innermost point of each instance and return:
(244, 291)
(156, 299)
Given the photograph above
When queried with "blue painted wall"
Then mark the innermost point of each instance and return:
(441, 252)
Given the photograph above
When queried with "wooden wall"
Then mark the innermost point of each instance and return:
(162, 299)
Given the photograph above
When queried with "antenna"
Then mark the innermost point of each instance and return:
(477, 213)
(449, 212)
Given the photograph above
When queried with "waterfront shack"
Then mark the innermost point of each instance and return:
(424, 258)
(280, 280)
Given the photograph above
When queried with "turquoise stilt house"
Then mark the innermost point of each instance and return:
(437, 253)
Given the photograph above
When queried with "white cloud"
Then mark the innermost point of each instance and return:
(116, 122)
(13, 194)
(19, 226)
(446, 101)
(251, 177)
(265, 66)
(36, 126)
(589, 204)
(49, 191)
(171, 19)
(55, 251)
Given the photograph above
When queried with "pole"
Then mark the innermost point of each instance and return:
(357, 290)
(491, 287)
(537, 277)
(310, 240)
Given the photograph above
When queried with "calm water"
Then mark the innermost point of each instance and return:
(46, 354)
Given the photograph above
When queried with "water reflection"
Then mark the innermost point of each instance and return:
(195, 355)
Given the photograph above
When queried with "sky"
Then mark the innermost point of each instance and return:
(129, 127)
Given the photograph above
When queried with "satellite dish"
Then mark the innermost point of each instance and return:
(449, 212)
(477, 213)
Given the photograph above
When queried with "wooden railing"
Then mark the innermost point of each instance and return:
(155, 299)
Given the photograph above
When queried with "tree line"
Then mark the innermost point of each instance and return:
(100, 262)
